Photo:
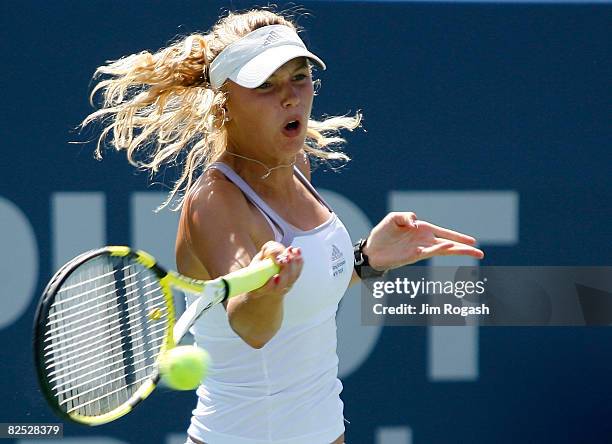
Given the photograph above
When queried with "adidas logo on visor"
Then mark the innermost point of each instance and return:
(272, 37)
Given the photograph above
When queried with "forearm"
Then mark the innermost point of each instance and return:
(255, 319)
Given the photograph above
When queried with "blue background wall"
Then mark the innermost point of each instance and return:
(465, 97)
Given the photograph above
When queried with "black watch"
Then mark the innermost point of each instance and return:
(362, 263)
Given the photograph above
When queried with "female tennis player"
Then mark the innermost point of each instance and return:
(233, 107)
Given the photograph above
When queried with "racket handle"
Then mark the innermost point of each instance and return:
(250, 278)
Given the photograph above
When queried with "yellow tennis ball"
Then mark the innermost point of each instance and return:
(183, 367)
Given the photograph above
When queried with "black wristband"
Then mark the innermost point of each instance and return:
(362, 262)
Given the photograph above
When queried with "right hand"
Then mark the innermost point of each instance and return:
(290, 261)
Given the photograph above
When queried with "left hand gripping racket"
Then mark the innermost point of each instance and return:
(105, 319)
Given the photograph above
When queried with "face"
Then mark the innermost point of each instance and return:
(269, 122)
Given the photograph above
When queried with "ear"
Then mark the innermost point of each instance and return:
(226, 113)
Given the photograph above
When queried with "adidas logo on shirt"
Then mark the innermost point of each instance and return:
(336, 253)
(337, 260)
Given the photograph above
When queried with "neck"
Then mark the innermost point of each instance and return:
(269, 178)
(268, 169)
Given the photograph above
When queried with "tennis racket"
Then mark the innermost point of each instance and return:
(105, 319)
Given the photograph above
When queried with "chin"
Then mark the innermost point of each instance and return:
(294, 144)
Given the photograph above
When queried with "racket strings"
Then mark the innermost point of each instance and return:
(61, 313)
(102, 338)
(105, 396)
(92, 361)
(80, 325)
(59, 316)
(66, 289)
(105, 331)
(69, 383)
(100, 344)
(98, 369)
(64, 346)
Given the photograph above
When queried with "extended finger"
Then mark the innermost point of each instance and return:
(464, 250)
(451, 248)
(448, 234)
(436, 249)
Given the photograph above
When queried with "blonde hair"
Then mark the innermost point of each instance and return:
(161, 109)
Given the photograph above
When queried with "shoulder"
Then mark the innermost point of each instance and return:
(303, 164)
(215, 200)
(216, 228)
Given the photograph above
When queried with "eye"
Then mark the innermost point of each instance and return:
(299, 77)
(264, 85)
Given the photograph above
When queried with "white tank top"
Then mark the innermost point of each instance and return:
(288, 391)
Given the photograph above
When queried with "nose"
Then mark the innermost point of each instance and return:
(290, 96)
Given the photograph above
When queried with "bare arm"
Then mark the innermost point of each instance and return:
(218, 230)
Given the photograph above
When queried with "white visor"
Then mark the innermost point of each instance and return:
(252, 59)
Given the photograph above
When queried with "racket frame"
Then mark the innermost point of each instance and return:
(166, 280)
(211, 293)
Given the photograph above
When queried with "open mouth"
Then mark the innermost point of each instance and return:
(293, 125)
(292, 128)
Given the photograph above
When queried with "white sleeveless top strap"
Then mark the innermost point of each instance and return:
(289, 232)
